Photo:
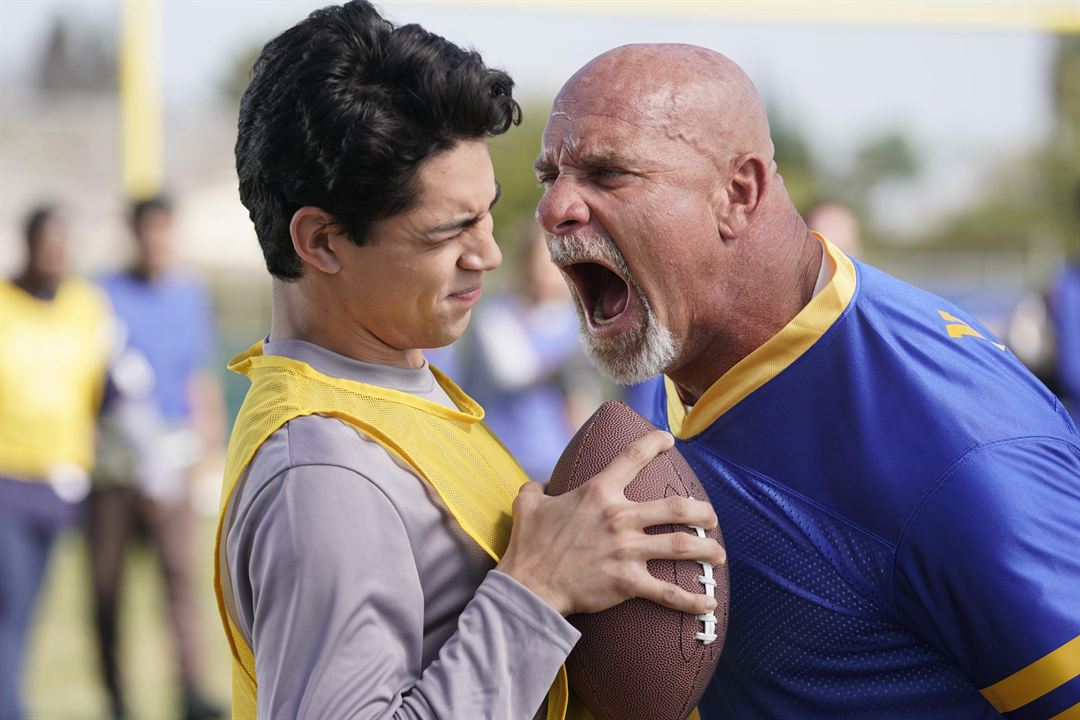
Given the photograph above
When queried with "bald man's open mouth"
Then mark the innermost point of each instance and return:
(603, 293)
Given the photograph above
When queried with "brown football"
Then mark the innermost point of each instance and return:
(639, 659)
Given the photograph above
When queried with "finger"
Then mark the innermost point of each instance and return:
(681, 546)
(624, 468)
(674, 510)
(674, 597)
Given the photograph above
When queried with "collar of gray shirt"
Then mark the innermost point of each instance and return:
(418, 381)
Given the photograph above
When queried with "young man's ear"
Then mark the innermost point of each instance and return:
(312, 229)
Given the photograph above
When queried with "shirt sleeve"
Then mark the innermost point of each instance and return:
(336, 614)
(989, 572)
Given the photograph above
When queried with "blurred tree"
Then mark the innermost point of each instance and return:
(1032, 201)
(1066, 97)
(793, 159)
(77, 57)
(890, 157)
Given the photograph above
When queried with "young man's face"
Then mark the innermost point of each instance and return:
(415, 281)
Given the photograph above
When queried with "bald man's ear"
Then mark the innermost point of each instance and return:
(742, 196)
(313, 234)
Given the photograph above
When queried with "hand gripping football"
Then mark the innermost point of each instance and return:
(639, 659)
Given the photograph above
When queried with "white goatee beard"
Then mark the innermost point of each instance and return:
(645, 350)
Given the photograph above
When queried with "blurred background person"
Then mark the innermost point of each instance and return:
(838, 223)
(162, 411)
(1065, 312)
(522, 362)
(54, 340)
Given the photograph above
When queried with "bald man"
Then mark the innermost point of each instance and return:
(899, 495)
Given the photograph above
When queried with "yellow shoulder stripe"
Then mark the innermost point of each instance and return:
(1072, 713)
(1040, 677)
(773, 357)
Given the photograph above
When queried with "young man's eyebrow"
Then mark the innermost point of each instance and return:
(462, 223)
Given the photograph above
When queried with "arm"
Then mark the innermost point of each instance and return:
(518, 355)
(336, 613)
(204, 392)
(207, 410)
(989, 573)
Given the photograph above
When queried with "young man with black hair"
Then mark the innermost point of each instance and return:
(365, 564)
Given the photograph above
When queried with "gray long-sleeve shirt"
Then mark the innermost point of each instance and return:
(359, 593)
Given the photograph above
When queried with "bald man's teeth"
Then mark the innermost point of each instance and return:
(599, 317)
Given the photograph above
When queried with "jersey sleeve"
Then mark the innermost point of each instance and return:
(988, 571)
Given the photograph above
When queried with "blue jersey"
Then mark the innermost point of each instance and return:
(900, 500)
(169, 320)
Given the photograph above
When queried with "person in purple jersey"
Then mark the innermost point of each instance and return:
(898, 494)
(162, 411)
(1065, 310)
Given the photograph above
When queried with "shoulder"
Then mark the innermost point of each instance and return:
(185, 282)
(942, 370)
(317, 446)
(86, 295)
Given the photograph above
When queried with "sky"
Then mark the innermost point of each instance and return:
(968, 97)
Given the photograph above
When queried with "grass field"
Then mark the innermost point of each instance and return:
(62, 677)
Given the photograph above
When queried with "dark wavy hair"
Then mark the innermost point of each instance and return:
(341, 111)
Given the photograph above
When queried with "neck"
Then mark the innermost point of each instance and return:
(37, 284)
(298, 312)
(769, 285)
(145, 273)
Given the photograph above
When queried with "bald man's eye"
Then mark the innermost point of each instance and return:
(545, 180)
(608, 174)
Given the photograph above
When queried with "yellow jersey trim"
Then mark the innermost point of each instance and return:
(1040, 677)
(468, 410)
(1072, 713)
(774, 356)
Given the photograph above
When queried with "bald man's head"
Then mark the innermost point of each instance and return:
(699, 95)
(666, 212)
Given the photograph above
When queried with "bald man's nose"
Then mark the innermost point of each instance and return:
(561, 210)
